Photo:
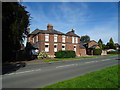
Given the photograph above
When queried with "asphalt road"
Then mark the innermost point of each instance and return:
(40, 75)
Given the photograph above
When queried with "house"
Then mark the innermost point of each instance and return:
(52, 40)
(90, 46)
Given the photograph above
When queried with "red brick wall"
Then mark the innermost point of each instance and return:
(82, 52)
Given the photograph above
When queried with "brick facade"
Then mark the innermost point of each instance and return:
(69, 45)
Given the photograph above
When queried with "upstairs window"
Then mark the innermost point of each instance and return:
(76, 39)
(73, 41)
(55, 38)
(33, 39)
(46, 37)
(63, 38)
(37, 38)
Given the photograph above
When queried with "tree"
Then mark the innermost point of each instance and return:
(100, 43)
(111, 44)
(85, 39)
(15, 20)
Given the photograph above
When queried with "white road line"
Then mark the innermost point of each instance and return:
(66, 65)
(23, 72)
(105, 59)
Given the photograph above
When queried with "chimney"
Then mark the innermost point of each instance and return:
(49, 27)
(73, 30)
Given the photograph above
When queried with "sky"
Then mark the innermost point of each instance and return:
(95, 19)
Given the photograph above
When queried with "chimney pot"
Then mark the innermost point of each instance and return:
(49, 27)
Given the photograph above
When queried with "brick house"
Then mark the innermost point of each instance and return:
(90, 46)
(51, 41)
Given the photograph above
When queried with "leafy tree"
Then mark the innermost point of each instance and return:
(111, 44)
(85, 39)
(15, 20)
(100, 43)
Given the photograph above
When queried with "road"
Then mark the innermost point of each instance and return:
(40, 75)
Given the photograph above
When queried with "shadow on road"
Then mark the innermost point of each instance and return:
(9, 68)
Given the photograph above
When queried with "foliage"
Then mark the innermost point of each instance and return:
(100, 43)
(85, 39)
(110, 44)
(105, 78)
(42, 55)
(62, 59)
(97, 51)
(65, 54)
(15, 20)
(114, 52)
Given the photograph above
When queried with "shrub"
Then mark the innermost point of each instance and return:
(114, 52)
(65, 54)
(42, 55)
(97, 51)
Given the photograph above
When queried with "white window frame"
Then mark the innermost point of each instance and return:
(55, 49)
(55, 37)
(33, 39)
(37, 38)
(64, 47)
(63, 38)
(46, 37)
(47, 48)
(75, 48)
(73, 39)
(76, 39)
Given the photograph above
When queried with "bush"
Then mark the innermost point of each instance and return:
(65, 54)
(114, 52)
(97, 51)
(42, 55)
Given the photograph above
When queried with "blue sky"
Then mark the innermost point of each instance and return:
(95, 19)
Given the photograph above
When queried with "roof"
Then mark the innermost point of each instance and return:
(72, 34)
(94, 46)
(47, 32)
(82, 47)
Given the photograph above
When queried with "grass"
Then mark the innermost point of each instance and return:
(62, 59)
(105, 78)
(111, 55)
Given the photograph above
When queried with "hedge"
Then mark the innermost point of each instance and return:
(97, 51)
(114, 52)
(65, 54)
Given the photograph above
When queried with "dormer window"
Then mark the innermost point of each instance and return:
(55, 37)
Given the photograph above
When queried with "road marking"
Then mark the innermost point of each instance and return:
(106, 60)
(24, 72)
(66, 65)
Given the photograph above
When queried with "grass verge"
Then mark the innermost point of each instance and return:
(111, 55)
(105, 78)
(62, 59)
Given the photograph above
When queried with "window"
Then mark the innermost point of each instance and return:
(46, 47)
(73, 40)
(75, 48)
(55, 38)
(33, 39)
(46, 37)
(63, 46)
(76, 39)
(63, 38)
(55, 47)
(37, 38)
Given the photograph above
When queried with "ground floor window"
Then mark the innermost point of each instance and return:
(46, 47)
(63, 46)
(55, 47)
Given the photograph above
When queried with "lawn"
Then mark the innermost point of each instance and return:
(62, 59)
(105, 78)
